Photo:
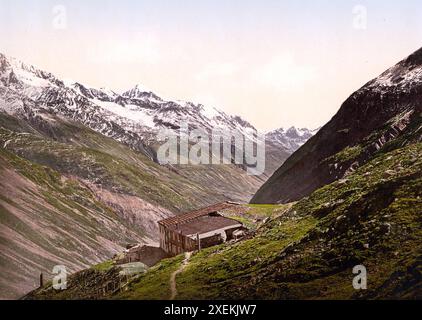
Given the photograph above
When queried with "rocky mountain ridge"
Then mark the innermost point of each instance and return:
(386, 113)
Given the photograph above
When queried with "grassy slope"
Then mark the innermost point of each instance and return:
(372, 218)
(32, 218)
(103, 161)
(74, 149)
(307, 251)
(47, 220)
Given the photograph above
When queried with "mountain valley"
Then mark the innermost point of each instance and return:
(349, 197)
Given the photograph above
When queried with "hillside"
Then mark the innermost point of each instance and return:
(48, 219)
(306, 251)
(90, 174)
(383, 114)
(353, 196)
(78, 202)
(70, 152)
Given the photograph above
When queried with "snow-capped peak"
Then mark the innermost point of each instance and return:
(291, 138)
(133, 116)
(402, 76)
(138, 91)
(294, 132)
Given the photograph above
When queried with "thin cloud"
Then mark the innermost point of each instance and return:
(283, 73)
(144, 48)
(217, 70)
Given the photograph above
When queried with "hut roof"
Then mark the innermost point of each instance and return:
(179, 220)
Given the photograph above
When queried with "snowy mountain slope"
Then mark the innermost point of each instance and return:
(133, 117)
(131, 110)
(290, 139)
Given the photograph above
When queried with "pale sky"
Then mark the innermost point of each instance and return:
(275, 63)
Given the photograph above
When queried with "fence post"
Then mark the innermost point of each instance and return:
(41, 280)
(198, 239)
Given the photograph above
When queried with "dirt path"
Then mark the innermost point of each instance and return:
(174, 275)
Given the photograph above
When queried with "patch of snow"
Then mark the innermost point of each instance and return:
(28, 74)
(131, 112)
(10, 106)
(108, 92)
(30, 78)
(154, 100)
(69, 82)
(210, 112)
(398, 76)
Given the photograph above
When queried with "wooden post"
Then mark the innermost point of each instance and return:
(198, 239)
(41, 280)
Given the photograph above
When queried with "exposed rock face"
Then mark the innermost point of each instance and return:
(385, 113)
(281, 143)
(291, 139)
